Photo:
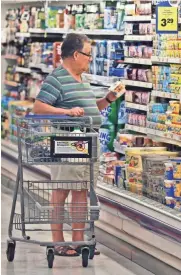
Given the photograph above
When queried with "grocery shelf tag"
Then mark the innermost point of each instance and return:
(166, 18)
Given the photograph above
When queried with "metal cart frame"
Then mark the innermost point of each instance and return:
(48, 140)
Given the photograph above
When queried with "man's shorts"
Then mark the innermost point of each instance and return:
(79, 173)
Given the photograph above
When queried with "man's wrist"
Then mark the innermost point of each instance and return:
(108, 100)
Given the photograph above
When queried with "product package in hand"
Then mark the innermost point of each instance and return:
(118, 89)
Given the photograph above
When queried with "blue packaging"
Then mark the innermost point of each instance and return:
(95, 50)
(158, 107)
(169, 188)
(168, 171)
(103, 48)
(117, 174)
(97, 66)
(122, 116)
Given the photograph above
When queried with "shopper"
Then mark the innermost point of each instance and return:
(64, 93)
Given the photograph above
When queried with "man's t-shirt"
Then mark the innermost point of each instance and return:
(61, 90)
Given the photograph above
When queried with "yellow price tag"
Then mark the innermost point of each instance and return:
(167, 19)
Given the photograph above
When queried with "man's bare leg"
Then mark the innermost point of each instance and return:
(58, 201)
(79, 212)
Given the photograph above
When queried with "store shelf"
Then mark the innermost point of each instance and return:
(157, 59)
(33, 30)
(164, 137)
(137, 83)
(88, 32)
(119, 148)
(142, 204)
(136, 106)
(153, 20)
(23, 34)
(165, 95)
(138, 37)
(137, 18)
(135, 128)
(100, 80)
(41, 67)
(23, 70)
(142, 61)
(11, 83)
(10, 56)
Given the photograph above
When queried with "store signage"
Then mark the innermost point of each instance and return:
(166, 18)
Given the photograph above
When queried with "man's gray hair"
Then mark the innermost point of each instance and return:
(73, 42)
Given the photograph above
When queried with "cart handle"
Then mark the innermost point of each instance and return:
(47, 117)
(59, 117)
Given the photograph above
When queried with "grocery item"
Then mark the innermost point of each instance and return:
(118, 89)
(109, 114)
(106, 138)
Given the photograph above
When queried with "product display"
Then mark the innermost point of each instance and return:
(144, 75)
(167, 78)
(137, 50)
(166, 45)
(138, 29)
(138, 9)
(108, 57)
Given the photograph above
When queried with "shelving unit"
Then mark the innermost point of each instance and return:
(164, 137)
(137, 18)
(165, 95)
(159, 59)
(10, 56)
(138, 37)
(135, 128)
(100, 80)
(119, 148)
(141, 61)
(136, 106)
(11, 83)
(23, 34)
(23, 70)
(83, 31)
(137, 83)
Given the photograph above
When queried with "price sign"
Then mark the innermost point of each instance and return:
(166, 18)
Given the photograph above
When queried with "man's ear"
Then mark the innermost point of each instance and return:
(75, 55)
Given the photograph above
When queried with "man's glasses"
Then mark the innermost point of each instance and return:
(86, 54)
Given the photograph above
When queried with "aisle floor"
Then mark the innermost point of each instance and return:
(31, 259)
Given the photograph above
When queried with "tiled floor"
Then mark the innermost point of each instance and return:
(31, 259)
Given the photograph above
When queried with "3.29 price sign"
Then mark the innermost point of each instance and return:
(167, 19)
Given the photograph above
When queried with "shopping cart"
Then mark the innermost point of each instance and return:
(51, 140)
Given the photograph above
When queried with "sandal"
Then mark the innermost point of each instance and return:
(62, 251)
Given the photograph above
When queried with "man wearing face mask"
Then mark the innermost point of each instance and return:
(65, 93)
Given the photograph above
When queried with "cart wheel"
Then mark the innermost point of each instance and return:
(85, 256)
(50, 257)
(10, 251)
(92, 250)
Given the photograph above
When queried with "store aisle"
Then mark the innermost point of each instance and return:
(31, 260)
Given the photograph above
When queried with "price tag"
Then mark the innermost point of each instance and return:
(167, 19)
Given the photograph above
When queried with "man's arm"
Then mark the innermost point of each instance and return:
(43, 108)
(46, 109)
(105, 101)
(102, 103)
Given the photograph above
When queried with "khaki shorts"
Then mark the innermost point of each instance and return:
(79, 173)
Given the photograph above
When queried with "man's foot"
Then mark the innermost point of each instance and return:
(65, 251)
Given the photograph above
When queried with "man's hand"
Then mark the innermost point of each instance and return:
(77, 111)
